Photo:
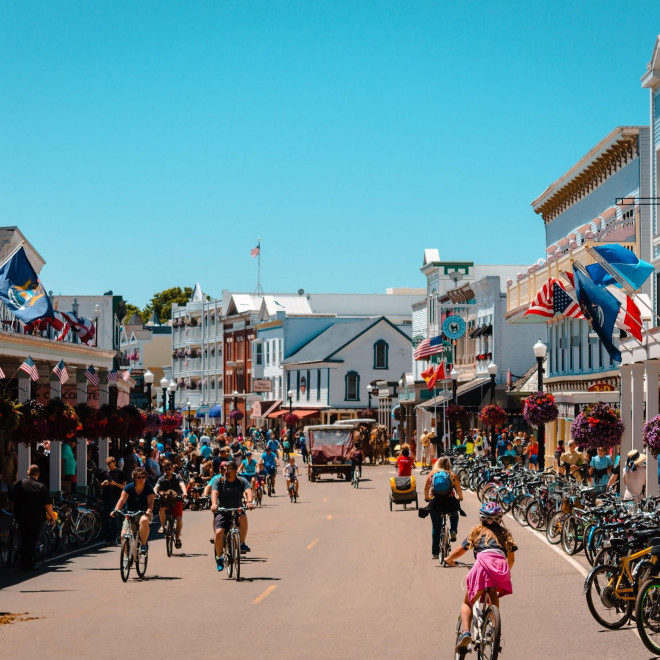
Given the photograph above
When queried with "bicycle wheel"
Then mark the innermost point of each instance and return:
(83, 529)
(594, 538)
(604, 604)
(463, 478)
(647, 615)
(491, 632)
(445, 547)
(236, 543)
(269, 485)
(519, 507)
(570, 536)
(535, 516)
(125, 559)
(555, 525)
(141, 562)
(459, 631)
(169, 537)
(229, 555)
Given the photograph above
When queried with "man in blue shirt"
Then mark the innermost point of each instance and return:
(270, 463)
(600, 466)
(274, 446)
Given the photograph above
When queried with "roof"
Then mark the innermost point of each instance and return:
(134, 320)
(528, 382)
(242, 303)
(291, 304)
(325, 346)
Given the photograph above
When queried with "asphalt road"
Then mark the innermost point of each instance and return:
(334, 575)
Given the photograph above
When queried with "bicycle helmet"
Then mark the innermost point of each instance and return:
(491, 512)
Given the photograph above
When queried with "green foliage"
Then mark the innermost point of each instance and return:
(162, 302)
(130, 309)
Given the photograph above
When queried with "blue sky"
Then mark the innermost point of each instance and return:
(147, 145)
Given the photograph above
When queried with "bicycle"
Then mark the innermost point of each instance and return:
(293, 496)
(169, 527)
(131, 547)
(647, 612)
(258, 492)
(445, 543)
(269, 485)
(355, 479)
(231, 548)
(486, 627)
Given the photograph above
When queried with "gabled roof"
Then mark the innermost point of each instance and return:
(134, 320)
(290, 304)
(324, 347)
(243, 303)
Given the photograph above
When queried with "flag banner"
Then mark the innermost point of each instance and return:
(61, 372)
(429, 377)
(30, 368)
(112, 376)
(600, 308)
(441, 372)
(84, 328)
(623, 262)
(553, 299)
(562, 303)
(428, 347)
(629, 317)
(255, 251)
(22, 291)
(92, 376)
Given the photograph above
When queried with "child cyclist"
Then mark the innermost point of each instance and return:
(494, 550)
(291, 472)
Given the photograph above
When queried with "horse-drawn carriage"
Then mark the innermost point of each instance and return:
(370, 438)
(329, 447)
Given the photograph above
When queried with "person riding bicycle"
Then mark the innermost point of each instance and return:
(494, 552)
(171, 481)
(248, 467)
(138, 495)
(405, 462)
(227, 493)
(355, 457)
(270, 463)
(260, 476)
(291, 472)
(274, 445)
(443, 490)
(286, 449)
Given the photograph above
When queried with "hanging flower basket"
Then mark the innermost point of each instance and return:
(171, 421)
(651, 435)
(152, 423)
(398, 414)
(10, 415)
(93, 423)
(456, 413)
(598, 425)
(291, 419)
(540, 408)
(368, 413)
(63, 423)
(135, 420)
(115, 420)
(493, 415)
(32, 426)
(236, 416)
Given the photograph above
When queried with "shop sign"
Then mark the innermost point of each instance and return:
(601, 387)
(262, 385)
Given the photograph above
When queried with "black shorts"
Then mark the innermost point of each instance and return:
(222, 519)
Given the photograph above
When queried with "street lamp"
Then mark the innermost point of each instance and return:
(454, 382)
(172, 389)
(164, 383)
(370, 389)
(492, 370)
(540, 349)
(290, 397)
(188, 406)
(148, 381)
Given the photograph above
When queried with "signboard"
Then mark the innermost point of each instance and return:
(601, 387)
(453, 327)
(262, 385)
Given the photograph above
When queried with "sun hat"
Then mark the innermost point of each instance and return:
(635, 457)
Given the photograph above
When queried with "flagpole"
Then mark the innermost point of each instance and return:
(259, 289)
(12, 253)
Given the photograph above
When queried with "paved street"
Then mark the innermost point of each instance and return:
(334, 575)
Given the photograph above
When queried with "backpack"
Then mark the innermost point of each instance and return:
(442, 483)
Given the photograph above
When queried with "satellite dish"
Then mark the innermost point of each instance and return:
(301, 292)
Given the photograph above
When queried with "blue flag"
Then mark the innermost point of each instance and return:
(632, 270)
(599, 307)
(21, 290)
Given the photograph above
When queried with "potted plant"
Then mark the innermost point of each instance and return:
(171, 421)
(598, 425)
(10, 415)
(135, 421)
(651, 435)
(115, 421)
(368, 413)
(493, 415)
(291, 419)
(93, 423)
(63, 423)
(152, 423)
(540, 408)
(32, 426)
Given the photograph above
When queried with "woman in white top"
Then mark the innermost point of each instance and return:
(634, 476)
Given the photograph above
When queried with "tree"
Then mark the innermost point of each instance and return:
(162, 302)
(129, 310)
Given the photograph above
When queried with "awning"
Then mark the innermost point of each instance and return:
(266, 408)
(460, 391)
(305, 413)
(278, 413)
(487, 331)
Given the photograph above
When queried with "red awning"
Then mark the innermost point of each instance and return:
(278, 413)
(304, 413)
(265, 408)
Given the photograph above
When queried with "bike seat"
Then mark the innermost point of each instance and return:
(654, 541)
(617, 542)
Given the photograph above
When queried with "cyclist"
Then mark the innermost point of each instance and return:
(270, 463)
(494, 552)
(248, 467)
(227, 493)
(174, 482)
(138, 495)
(291, 472)
(286, 448)
(356, 458)
(443, 490)
(273, 444)
(405, 463)
(303, 448)
(260, 476)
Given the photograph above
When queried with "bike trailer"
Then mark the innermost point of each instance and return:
(403, 491)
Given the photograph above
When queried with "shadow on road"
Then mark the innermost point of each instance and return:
(149, 578)
(45, 591)
(259, 579)
(192, 554)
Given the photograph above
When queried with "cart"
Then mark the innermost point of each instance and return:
(403, 491)
(329, 447)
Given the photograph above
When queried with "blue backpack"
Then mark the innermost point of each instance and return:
(442, 483)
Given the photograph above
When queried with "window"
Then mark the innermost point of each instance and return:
(432, 315)
(318, 384)
(309, 383)
(258, 352)
(267, 352)
(381, 351)
(352, 386)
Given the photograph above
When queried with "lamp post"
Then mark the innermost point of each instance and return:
(235, 407)
(188, 406)
(492, 370)
(453, 374)
(540, 349)
(370, 389)
(148, 381)
(164, 384)
(172, 389)
(290, 431)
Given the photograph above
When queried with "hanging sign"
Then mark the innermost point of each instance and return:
(453, 327)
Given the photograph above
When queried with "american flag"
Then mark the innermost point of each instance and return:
(564, 304)
(125, 375)
(30, 368)
(552, 299)
(92, 376)
(61, 372)
(112, 376)
(428, 347)
(256, 251)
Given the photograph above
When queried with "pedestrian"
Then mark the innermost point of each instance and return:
(303, 448)
(532, 452)
(600, 465)
(112, 483)
(68, 466)
(404, 462)
(425, 442)
(634, 476)
(32, 504)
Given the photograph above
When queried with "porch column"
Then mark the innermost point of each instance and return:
(55, 466)
(638, 397)
(81, 466)
(651, 369)
(626, 417)
(104, 398)
(24, 452)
